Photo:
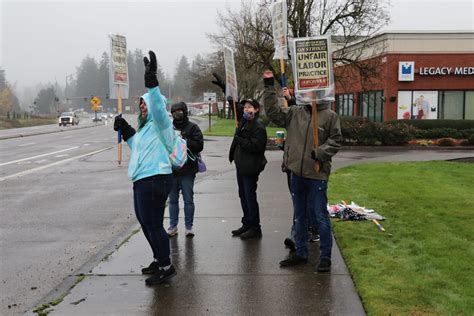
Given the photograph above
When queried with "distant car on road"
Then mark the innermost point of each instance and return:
(100, 117)
(68, 118)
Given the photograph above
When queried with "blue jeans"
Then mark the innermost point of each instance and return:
(149, 197)
(185, 184)
(313, 217)
(306, 192)
(248, 200)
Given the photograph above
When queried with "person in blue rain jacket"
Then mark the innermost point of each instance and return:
(150, 170)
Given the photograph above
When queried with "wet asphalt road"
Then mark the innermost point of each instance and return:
(56, 217)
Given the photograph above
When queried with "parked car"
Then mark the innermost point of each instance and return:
(68, 118)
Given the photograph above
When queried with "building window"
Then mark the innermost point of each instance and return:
(371, 105)
(469, 106)
(451, 106)
(345, 104)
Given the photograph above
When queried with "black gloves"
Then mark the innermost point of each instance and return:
(121, 124)
(151, 80)
(219, 82)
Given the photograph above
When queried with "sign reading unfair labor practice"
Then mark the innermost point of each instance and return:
(311, 62)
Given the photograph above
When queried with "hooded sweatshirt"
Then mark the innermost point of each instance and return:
(194, 139)
(153, 142)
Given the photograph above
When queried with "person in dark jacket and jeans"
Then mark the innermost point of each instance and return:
(184, 176)
(308, 186)
(248, 153)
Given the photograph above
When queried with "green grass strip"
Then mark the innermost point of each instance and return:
(225, 127)
(423, 263)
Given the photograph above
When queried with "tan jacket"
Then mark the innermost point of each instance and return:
(299, 140)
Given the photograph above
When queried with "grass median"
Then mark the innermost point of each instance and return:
(225, 127)
(423, 263)
(35, 121)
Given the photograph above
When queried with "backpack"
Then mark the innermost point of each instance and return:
(179, 154)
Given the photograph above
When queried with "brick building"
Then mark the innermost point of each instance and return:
(414, 75)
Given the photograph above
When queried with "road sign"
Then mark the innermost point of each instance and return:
(209, 97)
(95, 101)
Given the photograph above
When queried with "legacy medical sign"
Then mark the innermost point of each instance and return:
(443, 71)
(406, 71)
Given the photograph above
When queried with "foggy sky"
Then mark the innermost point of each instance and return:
(44, 41)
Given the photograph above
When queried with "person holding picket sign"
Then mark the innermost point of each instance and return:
(248, 153)
(184, 177)
(308, 185)
(150, 170)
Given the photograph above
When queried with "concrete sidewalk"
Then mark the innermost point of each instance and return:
(219, 274)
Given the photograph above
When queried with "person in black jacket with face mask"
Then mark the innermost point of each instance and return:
(184, 177)
(248, 153)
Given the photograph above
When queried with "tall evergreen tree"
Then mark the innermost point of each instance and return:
(87, 75)
(182, 83)
(46, 101)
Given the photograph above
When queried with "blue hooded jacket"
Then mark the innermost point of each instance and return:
(153, 142)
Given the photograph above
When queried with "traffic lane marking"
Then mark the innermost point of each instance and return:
(38, 156)
(26, 172)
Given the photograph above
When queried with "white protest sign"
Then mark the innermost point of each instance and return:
(312, 63)
(278, 11)
(118, 67)
(230, 74)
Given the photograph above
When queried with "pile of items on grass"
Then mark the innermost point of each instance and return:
(354, 212)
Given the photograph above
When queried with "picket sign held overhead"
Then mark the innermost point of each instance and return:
(118, 78)
(278, 12)
(313, 74)
(118, 66)
(230, 78)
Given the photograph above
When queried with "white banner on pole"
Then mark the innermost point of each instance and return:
(230, 74)
(278, 11)
(118, 67)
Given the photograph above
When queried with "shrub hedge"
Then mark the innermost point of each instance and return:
(361, 131)
(432, 124)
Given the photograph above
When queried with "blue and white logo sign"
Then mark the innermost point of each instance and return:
(406, 71)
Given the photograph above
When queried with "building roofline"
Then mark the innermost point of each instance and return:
(379, 35)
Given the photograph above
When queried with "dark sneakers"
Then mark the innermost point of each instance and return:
(251, 233)
(161, 276)
(324, 265)
(293, 260)
(313, 236)
(151, 268)
(290, 244)
(239, 231)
